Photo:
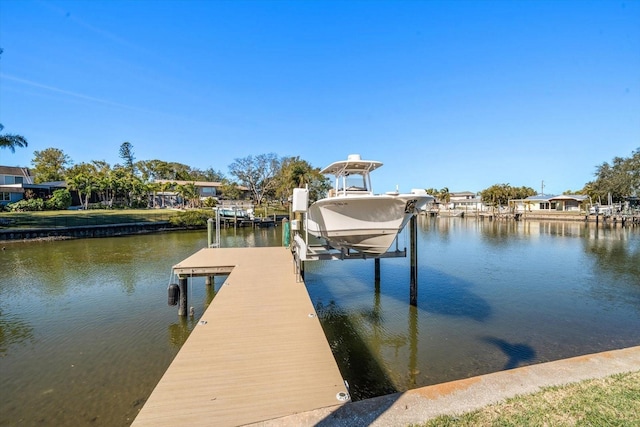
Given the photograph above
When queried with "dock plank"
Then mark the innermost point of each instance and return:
(261, 355)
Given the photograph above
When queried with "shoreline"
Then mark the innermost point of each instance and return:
(126, 229)
(417, 406)
(624, 219)
(84, 231)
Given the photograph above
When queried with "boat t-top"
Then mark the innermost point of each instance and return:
(352, 217)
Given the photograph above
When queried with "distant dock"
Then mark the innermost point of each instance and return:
(258, 352)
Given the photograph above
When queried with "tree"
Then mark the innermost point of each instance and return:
(297, 173)
(444, 195)
(11, 141)
(500, 194)
(230, 190)
(189, 194)
(82, 178)
(257, 173)
(49, 165)
(620, 179)
(209, 175)
(126, 154)
(163, 188)
(159, 169)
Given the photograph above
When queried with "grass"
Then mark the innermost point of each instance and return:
(610, 401)
(56, 219)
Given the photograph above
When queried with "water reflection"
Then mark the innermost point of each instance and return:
(13, 331)
(616, 253)
(449, 295)
(180, 330)
(353, 353)
(517, 353)
(413, 347)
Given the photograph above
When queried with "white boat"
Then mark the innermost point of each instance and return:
(353, 217)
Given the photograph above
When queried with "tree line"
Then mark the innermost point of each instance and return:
(265, 177)
(134, 183)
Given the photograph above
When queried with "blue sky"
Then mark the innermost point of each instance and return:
(462, 94)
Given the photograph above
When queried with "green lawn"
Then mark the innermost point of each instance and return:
(610, 401)
(54, 219)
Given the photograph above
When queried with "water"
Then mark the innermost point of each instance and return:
(85, 329)
(492, 296)
(86, 333)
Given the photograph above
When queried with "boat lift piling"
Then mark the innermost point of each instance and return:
(413, 285)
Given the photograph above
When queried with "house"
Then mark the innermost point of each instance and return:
(12, 180)
(549, 202)
(570, 202)
(16, 181)
(206, 189)
(464, 200)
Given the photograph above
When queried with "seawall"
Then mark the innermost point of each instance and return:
(80, 232)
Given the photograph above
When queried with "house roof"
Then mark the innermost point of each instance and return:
(576, 197)
(549, 197)
(215, 184)
(14, 170)
(540, 197)
(60, 184)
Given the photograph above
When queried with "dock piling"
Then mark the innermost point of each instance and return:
(182, 306)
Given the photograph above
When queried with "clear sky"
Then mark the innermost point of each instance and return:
(462, 94)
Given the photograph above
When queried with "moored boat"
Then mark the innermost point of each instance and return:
(352, 217)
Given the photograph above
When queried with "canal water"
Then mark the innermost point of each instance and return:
(86, 332)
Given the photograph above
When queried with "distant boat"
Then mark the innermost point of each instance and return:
(233, 213)
(353, 217)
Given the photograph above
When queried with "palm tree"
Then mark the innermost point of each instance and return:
(12, 141)
(186, 193)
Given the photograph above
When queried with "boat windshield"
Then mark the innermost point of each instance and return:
(352, 182)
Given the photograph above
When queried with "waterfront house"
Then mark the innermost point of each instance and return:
(465, 200)
(12, 180)
(15, 182)
(549, 202)
(206, 189)
(570, 202)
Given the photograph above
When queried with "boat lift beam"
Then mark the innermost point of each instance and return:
(315, 252)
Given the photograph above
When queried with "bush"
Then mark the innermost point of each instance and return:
(27, 205)
(190, 219)
(210, 202)
(59, 201)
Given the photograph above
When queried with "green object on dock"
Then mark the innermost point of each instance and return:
(286, 233)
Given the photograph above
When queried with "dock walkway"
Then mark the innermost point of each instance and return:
(257, 353)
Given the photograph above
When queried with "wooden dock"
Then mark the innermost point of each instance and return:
(258, 352)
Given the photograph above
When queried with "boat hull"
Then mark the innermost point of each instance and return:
(367, 224)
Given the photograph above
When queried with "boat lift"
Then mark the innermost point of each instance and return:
(304, 251)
